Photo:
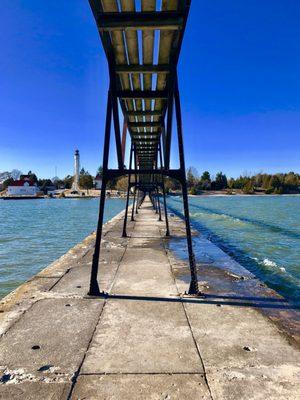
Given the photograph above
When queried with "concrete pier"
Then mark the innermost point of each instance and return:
(147, 340)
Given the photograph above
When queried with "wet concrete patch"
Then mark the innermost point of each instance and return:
(225, 281)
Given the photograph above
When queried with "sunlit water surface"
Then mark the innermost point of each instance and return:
(261, 232)
(33, 233)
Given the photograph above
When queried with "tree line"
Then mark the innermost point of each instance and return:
(248, 184)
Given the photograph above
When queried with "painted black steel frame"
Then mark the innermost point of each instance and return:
(150, 154)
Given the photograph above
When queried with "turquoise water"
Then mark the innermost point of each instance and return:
(261, 232)
(33, 233)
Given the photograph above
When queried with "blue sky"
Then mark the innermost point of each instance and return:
(239, 79)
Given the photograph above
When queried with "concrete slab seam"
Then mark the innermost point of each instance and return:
(120, 261)
(18, 319)
(77, 373)
(140, 373)
(59, 279)
(188, 322)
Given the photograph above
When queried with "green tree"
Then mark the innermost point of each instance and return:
(171, 185)
(291, 181)
(231, 183)
(68, 181)
(205, 176)
(274, 182)
(85, 180)
(43, 183)
(100, 171)
(205, 181)
(258, 180)
(32, 176)
(278, 190)
(111, 184)
(122, 184)
(190, 177)
(60, 184)
(193, 190)
(7, 182)
(220, 182)
(248, 188)
(266, 181)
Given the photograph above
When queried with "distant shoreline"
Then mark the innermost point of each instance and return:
(170, 195)
(243, 195)
(208, 193)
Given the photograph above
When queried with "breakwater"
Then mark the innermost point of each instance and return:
(146, 337)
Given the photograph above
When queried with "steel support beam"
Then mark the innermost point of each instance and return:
(141, 138)
(124, 234)
(94, 287)
(193, 289)
(124, 134)
(144, 124)
(137, 200)
(142, 69)
(142, 94)
(116, 119)
(147, 140)
(144, 113)
(133, 205)
(172, 173)
(169, 20)
(164, 191)
(158, 203)
(136, 182)
(170, 107)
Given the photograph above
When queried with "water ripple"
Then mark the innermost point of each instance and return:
(34, 233)
(261, 233)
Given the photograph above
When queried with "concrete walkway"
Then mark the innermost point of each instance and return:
(146, 341)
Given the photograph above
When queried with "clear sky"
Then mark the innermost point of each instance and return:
(239, 78)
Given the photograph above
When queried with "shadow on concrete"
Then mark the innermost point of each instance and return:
(218, 300)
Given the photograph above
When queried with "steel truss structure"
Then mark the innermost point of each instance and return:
(147, 93)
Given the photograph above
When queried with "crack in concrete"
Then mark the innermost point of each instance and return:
(77, 373)
(188, 321)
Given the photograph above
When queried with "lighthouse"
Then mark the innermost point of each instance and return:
(75, 185)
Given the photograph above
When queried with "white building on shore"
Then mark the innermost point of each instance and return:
(23, 187)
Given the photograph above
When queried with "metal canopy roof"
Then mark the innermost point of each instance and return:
(142, 41)
(142, 44)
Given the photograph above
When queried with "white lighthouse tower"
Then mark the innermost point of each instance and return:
(75, 185)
